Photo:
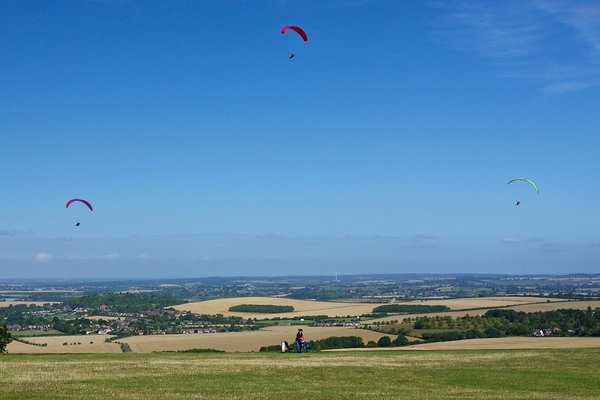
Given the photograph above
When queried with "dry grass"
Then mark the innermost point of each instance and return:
(506, 343)
(500, 374)
(332, 309)
(240, 341)
(301, 307)
(252, 341)
(486, 302)
(530, 307)
(513, 342)
(54, 344)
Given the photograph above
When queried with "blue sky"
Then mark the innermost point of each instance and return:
(384, 146)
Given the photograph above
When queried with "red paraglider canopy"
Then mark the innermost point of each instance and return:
(81, 200)
(299, 30)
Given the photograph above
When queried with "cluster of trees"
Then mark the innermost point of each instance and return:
(74, 326)
(349, 342)
(123, 302)
(339, 342)
(386, 341)
(23, 314)
(261, 308)
(5, 338)
(504, 322)
(409, 308)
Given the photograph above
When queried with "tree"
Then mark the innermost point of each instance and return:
(384, 341)
(5, 338)
(401, 340)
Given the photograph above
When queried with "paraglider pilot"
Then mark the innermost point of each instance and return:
(77, 224)
(292, 55)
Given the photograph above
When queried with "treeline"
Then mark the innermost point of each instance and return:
(503, 322)
(23, 314)
(339, 342)
(347, 342)
(77, 326)
(261, 308)
(123, 302)
(192, 351)
(409, 308)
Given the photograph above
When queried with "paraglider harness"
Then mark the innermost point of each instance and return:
(305, 345)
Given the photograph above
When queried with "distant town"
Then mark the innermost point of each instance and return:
(124, 308)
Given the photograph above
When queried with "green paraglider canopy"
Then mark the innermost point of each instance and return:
(526, 180)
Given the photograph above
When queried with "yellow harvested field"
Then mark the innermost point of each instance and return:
(253, 340)
(55, 345)
(485, 302)
(342, 309)
(576, 305)
(240, 341)
(533, 307)
(301, 307)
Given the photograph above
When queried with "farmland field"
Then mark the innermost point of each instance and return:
(253, 340)
(493, 374)
(56, 344)
(332, 309)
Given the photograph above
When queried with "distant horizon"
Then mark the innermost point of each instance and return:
(292, 277)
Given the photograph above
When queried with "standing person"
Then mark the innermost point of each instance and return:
(299, 340)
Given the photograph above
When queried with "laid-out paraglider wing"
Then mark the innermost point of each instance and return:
(80, 200)
(526, 180)
(297, 29)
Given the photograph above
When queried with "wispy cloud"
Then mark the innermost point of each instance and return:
(426, 236)
(43, 257)
(14, 232)
(519, 240)
(111, 257)
(556, 43)
(270, 235)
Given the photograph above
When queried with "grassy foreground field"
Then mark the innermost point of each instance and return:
(508, 374)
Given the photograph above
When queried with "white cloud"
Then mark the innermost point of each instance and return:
(43, 257)
(556, 43)
(141, 256)
(519, 240)
(270, 235)
(425, 236)
(4, 232)
(111, 257)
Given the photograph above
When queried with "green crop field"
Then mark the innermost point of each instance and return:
(493, 374)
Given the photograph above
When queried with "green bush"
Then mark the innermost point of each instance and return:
(261, 308)
(409, 308)
(340, 342)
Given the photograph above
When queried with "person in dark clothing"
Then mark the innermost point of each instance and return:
(300, 340)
